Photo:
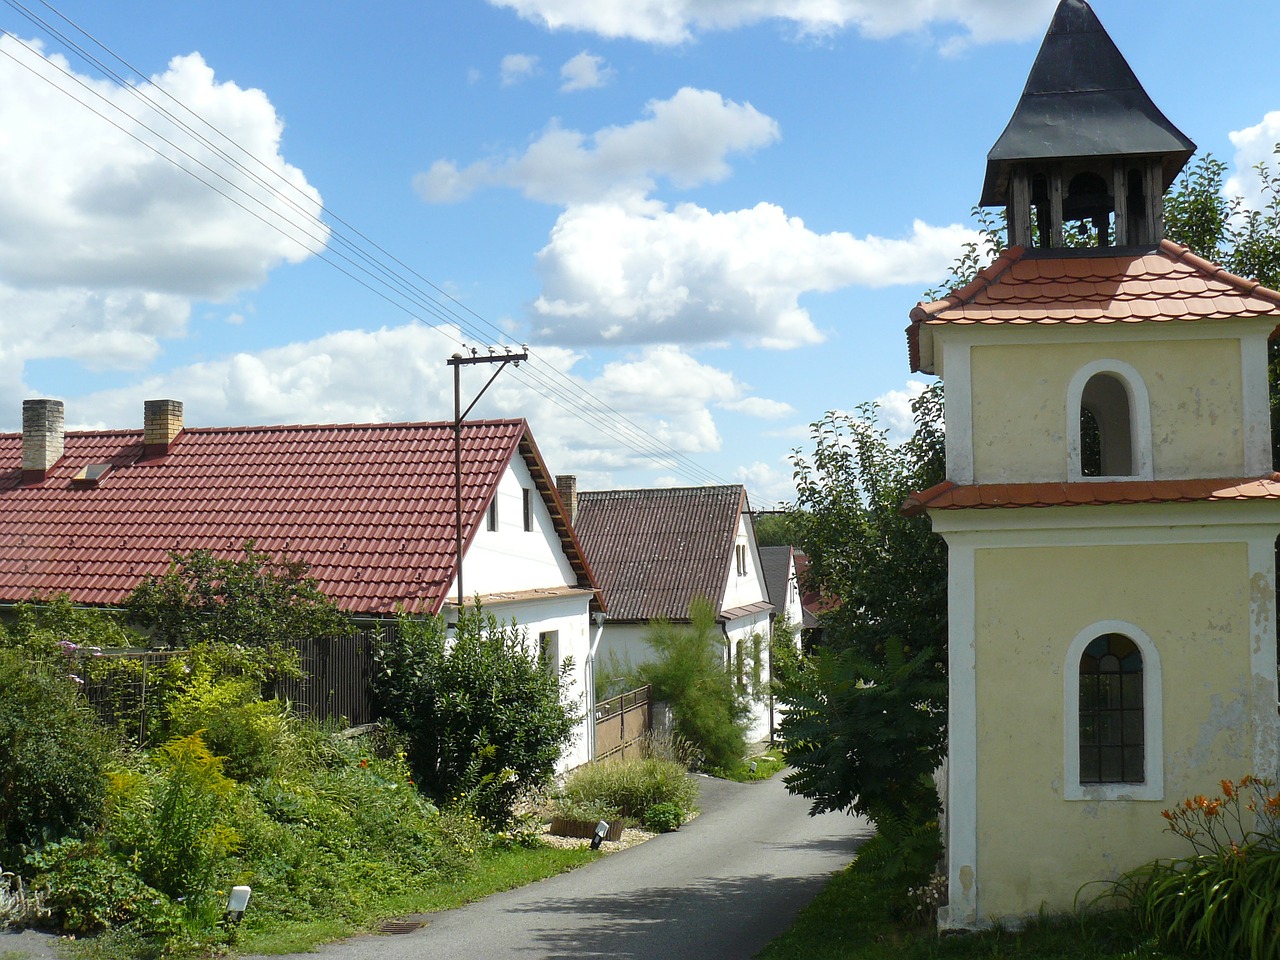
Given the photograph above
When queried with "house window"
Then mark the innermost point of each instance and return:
(491, 518)
(549, 652)
(740, 556)
(1111, 711)
(1109, 421)
(1113, 715)
(528, 509)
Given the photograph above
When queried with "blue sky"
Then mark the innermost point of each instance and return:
(708, 217)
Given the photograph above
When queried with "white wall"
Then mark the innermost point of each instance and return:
(510, 558)
(569, 617)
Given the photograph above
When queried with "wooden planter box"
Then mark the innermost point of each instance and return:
(560, 827)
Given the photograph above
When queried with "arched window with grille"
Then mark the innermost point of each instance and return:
(1111, 711)
(1112, 708)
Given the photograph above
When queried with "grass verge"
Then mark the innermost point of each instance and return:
(849, 920)
(491, 872)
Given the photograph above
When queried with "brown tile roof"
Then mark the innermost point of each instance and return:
(369, 507)
(653, 551)
(952, 496)
(1021, 288)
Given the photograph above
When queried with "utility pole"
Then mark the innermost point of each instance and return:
(458, 361)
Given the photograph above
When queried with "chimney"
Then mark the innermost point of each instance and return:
(567, 487)
(43, 437)
(162, 422)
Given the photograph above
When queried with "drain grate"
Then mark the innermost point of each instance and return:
(401, 926)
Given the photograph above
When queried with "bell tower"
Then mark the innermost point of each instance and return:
(1110, 509)
(1087, 156)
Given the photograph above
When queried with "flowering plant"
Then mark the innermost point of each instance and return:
(1220, 825)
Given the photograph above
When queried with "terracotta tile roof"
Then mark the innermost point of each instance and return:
(1023, 288)
(985, 496)
(653, 551)
(369, 507)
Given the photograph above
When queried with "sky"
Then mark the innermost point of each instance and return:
(707, 220)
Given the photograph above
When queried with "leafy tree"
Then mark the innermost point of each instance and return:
(775, 529)
(865, 724)
(255, 601)
(481, 711)
(690, 671)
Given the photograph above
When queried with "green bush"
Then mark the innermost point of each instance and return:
(633, 786)
(174, 823)
(481, 712)
(86, 890)
(250, 734)
(690, 673)
(664, 817)
(52, 757)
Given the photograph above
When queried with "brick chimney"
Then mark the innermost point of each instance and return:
(567, 487)
(162, 422)
(43, 437)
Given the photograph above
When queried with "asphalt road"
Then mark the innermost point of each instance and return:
(719, 889)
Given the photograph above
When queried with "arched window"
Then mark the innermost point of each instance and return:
(1111, 711)
(1109, 419)
(1106, 401)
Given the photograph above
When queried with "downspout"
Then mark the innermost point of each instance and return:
(598, 620)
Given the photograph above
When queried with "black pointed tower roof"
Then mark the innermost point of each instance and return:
(1082, 99)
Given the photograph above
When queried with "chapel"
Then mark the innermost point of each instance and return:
(1110, 509)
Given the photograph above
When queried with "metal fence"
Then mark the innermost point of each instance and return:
(622, 722)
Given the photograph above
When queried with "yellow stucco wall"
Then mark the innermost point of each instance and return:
(1020, 406)
(1192, 600)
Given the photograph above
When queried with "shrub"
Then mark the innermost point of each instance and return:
(664, 817)
(52, 757)
(251, 735)
(633, 786)
(481, 713)
(174, 823)
(86, 890)
(690, 672)
(1220, 901)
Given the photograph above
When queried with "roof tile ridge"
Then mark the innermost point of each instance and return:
(985, 277)
(312, 427)
(1192, 259)
(916, 503)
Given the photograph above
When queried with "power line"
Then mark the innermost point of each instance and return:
(543, 378)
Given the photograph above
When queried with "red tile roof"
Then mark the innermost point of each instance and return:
(369, 507)
(1022, 287)
(653, 551)
(952, 496)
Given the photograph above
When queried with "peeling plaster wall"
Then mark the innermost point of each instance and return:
(1020, 416)
(1193, 600)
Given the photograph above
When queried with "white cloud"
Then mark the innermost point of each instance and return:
(677, 21)
(585, 72)
(895, 410)
(517, 67)
(767, 486)
(761, 407)
(684, 139)
(1254, 145)
(664, 392)
(646, 273)
(104, 243)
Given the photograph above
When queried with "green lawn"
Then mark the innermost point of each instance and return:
(849, 921)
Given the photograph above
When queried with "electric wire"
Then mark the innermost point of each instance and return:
(586, 407)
